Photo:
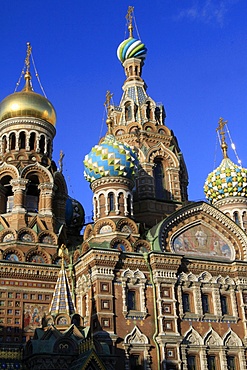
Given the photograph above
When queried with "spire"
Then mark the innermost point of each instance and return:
(129, 17)
(62, 300)
(223, 137)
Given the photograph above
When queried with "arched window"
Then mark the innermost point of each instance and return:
(12, 141)
(22, 140)
(148, 110)
(42, 144)
(236, 217)
(129, 205)
(159, 180)
(32, 194)
(111, 202)
(7, 196)
(128, 112)
(4, 144)
(48, 147)
(32, 141)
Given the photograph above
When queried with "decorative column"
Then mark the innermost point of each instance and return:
(19, 188)
(223, 361)
(233, 301)
(216, 300)
(46, 193)
(197, 298)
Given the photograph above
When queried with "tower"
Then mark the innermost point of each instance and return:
(33, 217)
(161, 183)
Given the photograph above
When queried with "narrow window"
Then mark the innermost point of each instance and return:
(22, 140)
(129, 204)
(111, 202)
(191, 362)
(12, 141)
(42, 144)
(4, 144)
(148, 110)
(205, 303)
(128, 112)
(186, 302)
(158, 174)
(32, 141)
(211, 363)
(135, 362)
(224, 307)
(231, 363)
(236, 217)
(131, 300)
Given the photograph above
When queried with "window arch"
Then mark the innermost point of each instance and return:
(4, 144)
(12, 141)
(159, 179)
(32, 141)
(22, 140)
(42, 144)
(111, 202)
(7, 198)
(128, 112)
(32, 194)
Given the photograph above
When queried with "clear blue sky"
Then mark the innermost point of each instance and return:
(196, 66)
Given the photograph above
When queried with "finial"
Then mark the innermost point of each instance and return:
(129, 17)
(27, 60)
(60, 162)
(28, 85)
(223, 138)
(107, 105)
(62, 251)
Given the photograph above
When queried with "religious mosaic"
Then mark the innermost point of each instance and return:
(199, 240)
(33, 315)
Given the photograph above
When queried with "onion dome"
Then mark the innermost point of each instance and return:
(228, 180)
(74, 214)
(110, 158)
(27, 103)
(131, 48)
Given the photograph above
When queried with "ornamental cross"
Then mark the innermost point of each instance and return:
(61, 161)
(129, 17)
(27, 60)
(220, 129)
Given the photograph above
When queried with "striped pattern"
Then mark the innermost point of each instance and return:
(62, 300)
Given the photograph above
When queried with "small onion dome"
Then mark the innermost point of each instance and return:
(110, 158)
(228, 180)
(74, 214)
(27, 103)
(131, 48)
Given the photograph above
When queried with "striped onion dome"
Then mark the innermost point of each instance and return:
(228, 180)
(131, 48)
(110, 158)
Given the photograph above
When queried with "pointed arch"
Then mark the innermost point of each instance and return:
(192, 337)
(136, 337)
(212, 338)
(231, 339)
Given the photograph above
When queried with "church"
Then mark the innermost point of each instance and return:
(154, 281)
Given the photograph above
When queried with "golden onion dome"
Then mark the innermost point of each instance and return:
(27, 103)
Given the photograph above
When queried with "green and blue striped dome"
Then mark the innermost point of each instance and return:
(227, 180)
(110, 158)
(131, 48)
